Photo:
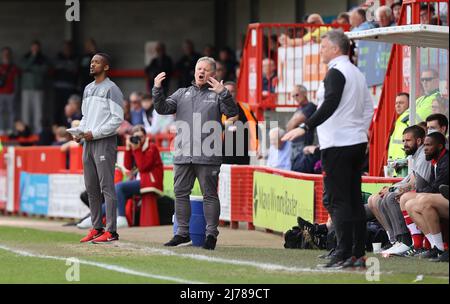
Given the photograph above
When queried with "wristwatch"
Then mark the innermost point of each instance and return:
(304, 127)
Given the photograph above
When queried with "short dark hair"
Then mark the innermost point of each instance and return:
(416, 131)
(345, 16)
(362, 13)
(427, 6)
(106, 57)
(403, 94)
(441, 119)
(438, 137)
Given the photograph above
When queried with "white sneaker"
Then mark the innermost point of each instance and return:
(85, 224)
(122, 222)
(398, 249)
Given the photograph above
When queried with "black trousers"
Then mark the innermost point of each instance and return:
(342, 168)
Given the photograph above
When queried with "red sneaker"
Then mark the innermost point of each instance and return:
(93, 233)
(106, 237)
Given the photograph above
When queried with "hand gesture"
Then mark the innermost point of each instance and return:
(293, 134)
(215, 85)
(88, 136)
(159, 79)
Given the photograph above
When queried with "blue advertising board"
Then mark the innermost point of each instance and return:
(34, 193)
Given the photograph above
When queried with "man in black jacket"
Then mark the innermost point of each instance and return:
(343, 117)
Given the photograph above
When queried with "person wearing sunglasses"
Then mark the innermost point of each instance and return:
(430, 84)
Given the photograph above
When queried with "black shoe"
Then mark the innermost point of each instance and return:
(334, 263)
(387, 246)
(210, 242)
(443, 189)
(431, 254)
(441, 258)
(354, 262)
(179, 240)
(328, 255)
(412, 252)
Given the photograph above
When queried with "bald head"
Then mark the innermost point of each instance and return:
(314, 19)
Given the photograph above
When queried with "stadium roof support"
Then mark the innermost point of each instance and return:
(418, 35)
(414, 35)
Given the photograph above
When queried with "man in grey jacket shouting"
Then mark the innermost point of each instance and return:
(198, 145)
(102, 115)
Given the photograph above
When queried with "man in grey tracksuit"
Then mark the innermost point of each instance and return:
(102, 115)
(198, 150)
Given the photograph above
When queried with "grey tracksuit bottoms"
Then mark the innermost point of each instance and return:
(184, 178)
(390, 210)
(99, 159)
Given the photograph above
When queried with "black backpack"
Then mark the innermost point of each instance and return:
(305, 236)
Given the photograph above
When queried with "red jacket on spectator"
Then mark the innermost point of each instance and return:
(150, 166)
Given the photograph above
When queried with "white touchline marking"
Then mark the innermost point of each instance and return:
(110, 267)
(264, 266)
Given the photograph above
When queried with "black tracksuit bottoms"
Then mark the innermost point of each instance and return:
(342, 168)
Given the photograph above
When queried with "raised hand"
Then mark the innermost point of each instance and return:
(159, 79)
(215, 85)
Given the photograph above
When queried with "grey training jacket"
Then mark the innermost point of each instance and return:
(198, 119)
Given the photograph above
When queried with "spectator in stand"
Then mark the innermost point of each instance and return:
(64, 80)
(34, 71)
(154, 123)
(304, 111)
(90, 49)
(221, 71)
(440, 105)
(20, 130)
(269, 76)
(430, 84)
(226, 57)
(427, 14)
(384, 16)
(315, 34)
(209, 51)
(61, 136)
(72, 110)
(396, 149)
(279, 152)
(358, 20)
(343, 18)
(396, 8)
(136, 111)
(186, 65)
(161, 63)
(46, 136)
(8, 85)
